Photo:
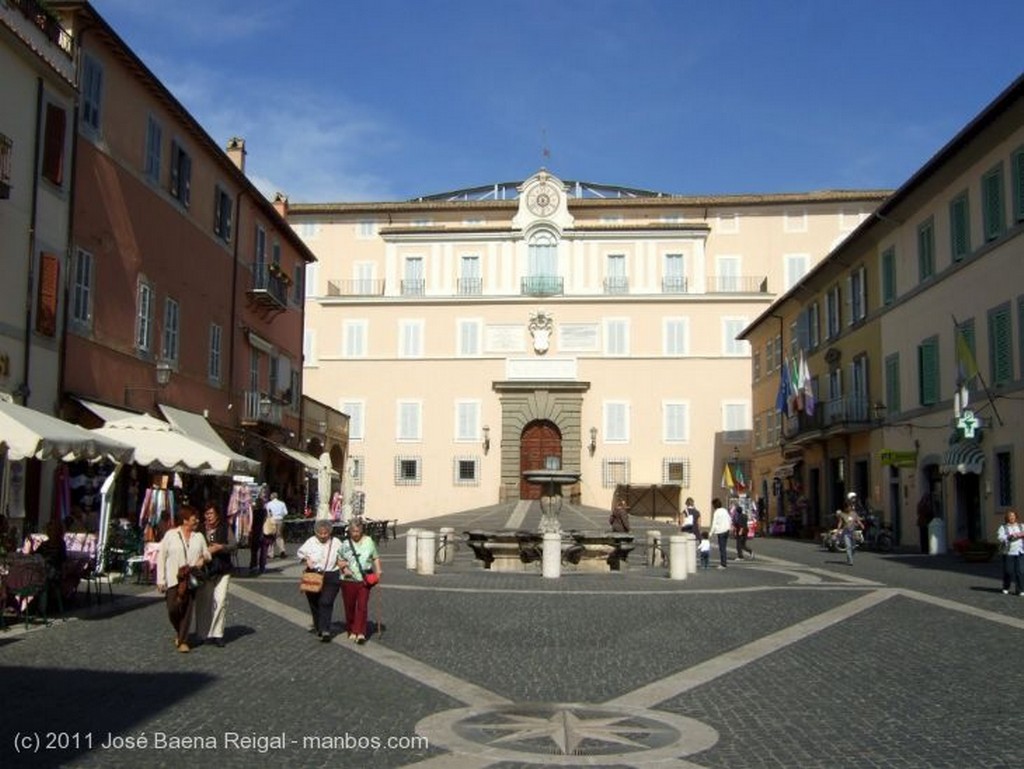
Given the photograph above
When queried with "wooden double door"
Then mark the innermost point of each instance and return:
(540, 439)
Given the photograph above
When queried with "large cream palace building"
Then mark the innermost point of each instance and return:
(476, 334)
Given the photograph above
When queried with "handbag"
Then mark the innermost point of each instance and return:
(269, 527)
(313, 581)
(369, 578)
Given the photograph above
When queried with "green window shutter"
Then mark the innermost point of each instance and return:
(892, 384)
(928, 372)
(1018, 186)
(1000, 352)
(992, 202)
(925, 250)
(959, 227)
(888, 276)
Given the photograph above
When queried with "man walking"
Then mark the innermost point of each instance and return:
(721, 522)
(276, 512)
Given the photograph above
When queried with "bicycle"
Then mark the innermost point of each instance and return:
(447, 550)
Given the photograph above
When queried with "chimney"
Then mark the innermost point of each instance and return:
(236, 151)
(281, 204)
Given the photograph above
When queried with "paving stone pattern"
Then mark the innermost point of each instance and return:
(793, 659)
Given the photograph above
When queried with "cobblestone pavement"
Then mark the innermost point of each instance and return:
(793, 659)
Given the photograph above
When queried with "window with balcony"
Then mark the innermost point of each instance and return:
(673, 280)
(91, 94)
(470, 282)
(413, 281)
(615, 281)
(153, 149)
(727, 277)
(959, 226)
(992, 214)
(181, 174)
(542, 277)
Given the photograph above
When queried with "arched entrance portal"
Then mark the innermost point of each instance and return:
(540, 439)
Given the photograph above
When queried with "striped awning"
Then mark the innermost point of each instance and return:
(964, 457)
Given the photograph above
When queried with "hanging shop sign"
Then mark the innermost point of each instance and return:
(895, 458)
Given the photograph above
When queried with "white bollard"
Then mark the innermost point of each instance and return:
(427, 541)
(691, 553)
(552, 555)
(411, 545)
(677, 561)
(446, 537)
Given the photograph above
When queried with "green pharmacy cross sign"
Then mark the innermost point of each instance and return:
(968, 423)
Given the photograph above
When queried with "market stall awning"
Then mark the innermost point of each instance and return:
(785, 470)
(27, 433)
(197, 427)
(160, 446)
(963, 457)
(308, 461)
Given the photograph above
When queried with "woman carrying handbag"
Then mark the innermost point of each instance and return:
(182, 551)
(322, 556)
(360, 553)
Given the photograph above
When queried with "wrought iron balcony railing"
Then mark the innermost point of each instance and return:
(414, 287)
(542, 285)
(737, 284)
(618, 284)
(259, 407)
(269, 284)
(673, 284)
(470, 286)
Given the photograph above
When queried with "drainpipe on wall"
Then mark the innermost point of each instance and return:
(23, 391)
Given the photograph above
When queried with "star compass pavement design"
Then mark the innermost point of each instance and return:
(567, 734)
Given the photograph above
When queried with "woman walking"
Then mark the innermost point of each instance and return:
(182, 549)
(212, 595)
(322, 553)
(1011, 539)
(360, 554)
(721, 523)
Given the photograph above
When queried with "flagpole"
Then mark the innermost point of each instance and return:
(977, 371)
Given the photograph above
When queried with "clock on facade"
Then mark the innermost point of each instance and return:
(542, 200)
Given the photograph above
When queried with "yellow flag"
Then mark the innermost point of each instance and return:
(967, 367)
(727, 481)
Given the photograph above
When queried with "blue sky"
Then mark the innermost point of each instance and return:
(374, 100)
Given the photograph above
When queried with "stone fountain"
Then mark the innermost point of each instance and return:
(551, 483)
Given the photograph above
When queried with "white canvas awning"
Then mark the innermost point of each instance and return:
(27, 433)
(160, 446)
(308, 461)
(197, 427)
(964, 457)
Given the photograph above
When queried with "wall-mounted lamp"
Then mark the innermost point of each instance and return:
(163, 372)
(265, 405)
(487, 439)
(163, 376)
(593, 441)
(878, 411)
